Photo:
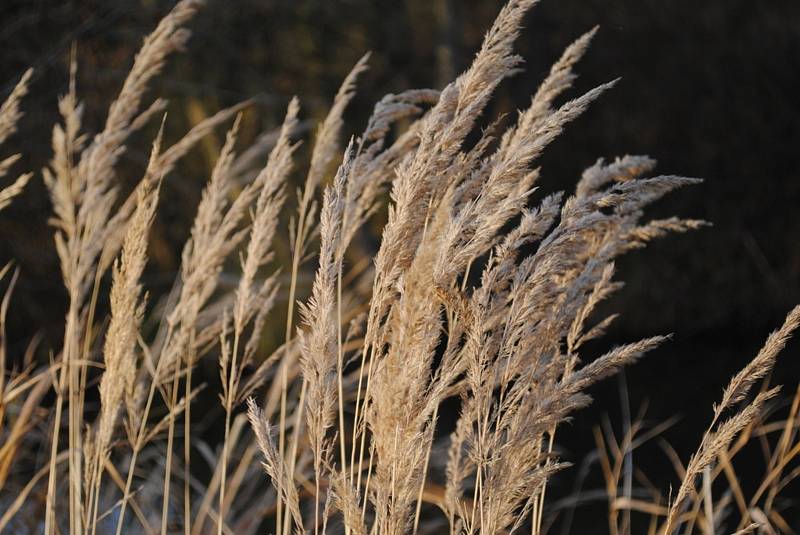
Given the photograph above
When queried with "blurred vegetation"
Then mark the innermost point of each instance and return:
(710, 89)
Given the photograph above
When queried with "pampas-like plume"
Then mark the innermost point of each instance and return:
(480, 292)
(167, 162)
(449, 208)
(10, 109)
(215, 234)
(118, 383)
(265, 220)
(720, 434)
(253, 301)
(9, 116)
(9, 192)
(92, 191)
(319, 349)
(83, 196)
(273, 464)
(300, 232)
(760, 366)
(327, 143)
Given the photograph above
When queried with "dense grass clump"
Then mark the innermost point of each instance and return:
(482, 292)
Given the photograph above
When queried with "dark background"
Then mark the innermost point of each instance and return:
(709, 88)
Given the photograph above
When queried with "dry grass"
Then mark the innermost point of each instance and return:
(480, 291)
(9, 115)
